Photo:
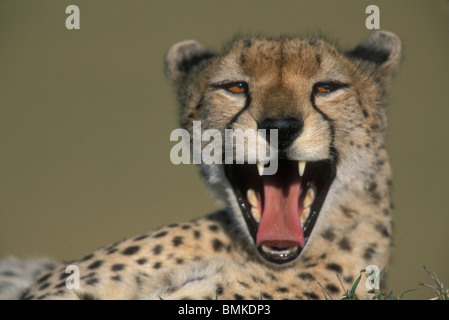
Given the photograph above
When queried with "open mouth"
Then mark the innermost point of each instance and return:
(281, 210)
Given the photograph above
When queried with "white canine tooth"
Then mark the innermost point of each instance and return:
(256, 214)
(252, 198)
(301, 167)
(260, 167)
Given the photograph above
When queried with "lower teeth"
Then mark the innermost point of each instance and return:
(279, 251)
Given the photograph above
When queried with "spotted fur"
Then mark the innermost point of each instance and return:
(216, 255)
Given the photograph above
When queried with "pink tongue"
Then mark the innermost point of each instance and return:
(280, 225)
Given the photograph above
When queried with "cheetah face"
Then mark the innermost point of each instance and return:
(309, 93)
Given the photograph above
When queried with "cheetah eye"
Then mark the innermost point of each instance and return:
(328, 87)
(235, 87)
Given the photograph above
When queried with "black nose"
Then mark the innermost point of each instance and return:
(288, 130)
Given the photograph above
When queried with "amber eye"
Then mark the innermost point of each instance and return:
(236, 87)
(323, 88)
(328, 87)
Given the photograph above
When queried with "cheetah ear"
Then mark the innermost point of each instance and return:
(379, 56)
(182, 57)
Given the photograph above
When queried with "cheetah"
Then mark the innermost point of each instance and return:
(301, 233)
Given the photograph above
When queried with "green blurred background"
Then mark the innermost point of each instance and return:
(85, 119)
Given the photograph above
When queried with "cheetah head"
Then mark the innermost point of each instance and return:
(321, 104)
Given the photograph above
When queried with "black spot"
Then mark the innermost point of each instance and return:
(239, 297)
(272, 277)
(60, 285)
(142, 261)
(365, 113)
(173, 225)
(306, 276)
(344, 244)
(217, 245)
(63, 276)
(244, 284)
(26, 295)
(157, 265)
(219, 289)
(61, 293)
(95, 265)
(177, 241)
(311, 295)
(139, 282)
(8, 273)
(118, 267)
(113, 245)
(348, 212)
(111, 251)
(282, 289)
(116, 278)
(179, 261)
(89, 256)
(368, 254)
(372, 189)
(267, 296)
(214, 228)
(160, 234)
(382, 230)
(186, 226)
(87, 296)
(318, 59)
(130, 250)
(311, 265)
(242, 59)
(328, 234)
(44, 286)
(43, 278)
(89, 275)
(157, 249)
(196, 234)
(332, 288)
(144, 236)
(257, 280)
(334, 267)
(92, 281)
(247, 43)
